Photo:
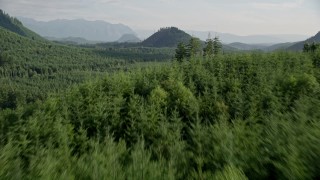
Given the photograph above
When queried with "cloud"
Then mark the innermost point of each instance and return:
(277, 5)
(107, 1)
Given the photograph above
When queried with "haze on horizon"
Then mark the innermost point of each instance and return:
(241, 17)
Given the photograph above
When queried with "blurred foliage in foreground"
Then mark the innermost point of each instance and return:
(246, 116)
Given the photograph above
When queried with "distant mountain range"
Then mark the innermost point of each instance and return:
(248, 47)
(106, 32)
(89, 30)
(72, 40)
(299, 46)
(291, 46)
(262, 47)
(231, 38)
(251, 39)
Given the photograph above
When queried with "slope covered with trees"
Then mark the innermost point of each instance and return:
(29, 69)
(14, 25)
(167, 37)
(299, 46)
(243, 116)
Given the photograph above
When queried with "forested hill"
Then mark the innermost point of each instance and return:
(167, 37)
(299, 46)
(14, 25)
(30, 69)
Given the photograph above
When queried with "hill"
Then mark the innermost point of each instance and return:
(90, 30)
(167, 37)
(247, 47)
(250, 39)
(130, 38)
(262, 47)
(280, 46)
(30, 69)
(299, 46)
(14, 25)
(72, 40)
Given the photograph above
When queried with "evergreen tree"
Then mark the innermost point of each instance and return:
(193, 47)
(313, 47)
(208, 50)
(180, 52)
(306, 47)
(217, 46)
(310, 47)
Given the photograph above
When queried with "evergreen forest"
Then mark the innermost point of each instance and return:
(193, 112)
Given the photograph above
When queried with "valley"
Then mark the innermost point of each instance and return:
(171, 106)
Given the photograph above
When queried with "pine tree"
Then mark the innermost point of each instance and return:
(208, 50)
(193, 47)
(306, 47)
(181, 52)
(313, 47)
(217, 46)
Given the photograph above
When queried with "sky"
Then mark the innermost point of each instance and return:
(241, 17)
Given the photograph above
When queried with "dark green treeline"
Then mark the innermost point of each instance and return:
(245, 116)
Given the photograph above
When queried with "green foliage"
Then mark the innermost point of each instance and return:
(14, 25)
(132, 54)
(30, 69)
(167, 37)
(181, 52)
(217, 46)
(230, 173)
(311, 47)
(240, 116)
(194, 47)
(209, 49)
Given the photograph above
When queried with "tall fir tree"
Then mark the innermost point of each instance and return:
(217, 46)
(209, 49)
(180, 52)
(194, 47)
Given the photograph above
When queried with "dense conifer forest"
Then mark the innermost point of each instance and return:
(69, 112)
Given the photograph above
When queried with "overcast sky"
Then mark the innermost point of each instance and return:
(242, 17)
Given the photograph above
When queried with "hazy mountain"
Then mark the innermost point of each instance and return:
(14, 25)
(167, 37)
(248, 47)
(72, 40)
(280, 46)
(251, 39)
(263, 47)
(299, 46)
(90, 30)
(131, 38)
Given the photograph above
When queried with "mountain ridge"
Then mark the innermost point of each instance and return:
(299, 45)
(14, 25)
(250, 39)
(97, 30)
